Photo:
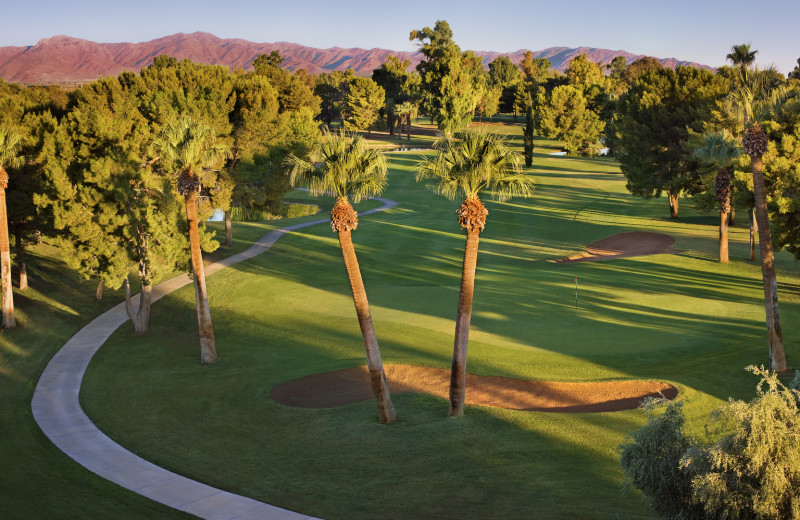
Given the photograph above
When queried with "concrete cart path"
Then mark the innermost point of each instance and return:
(57, 410)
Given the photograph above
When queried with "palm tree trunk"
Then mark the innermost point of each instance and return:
(208, 351)
(673, 205)
(723, 237)
(228, 229)
(777, 357)
(141, 317)
(23, 269)
(458, 373)
(751, 213)
(98, 293)
(5, 266)
(732, 216)
(374, 363)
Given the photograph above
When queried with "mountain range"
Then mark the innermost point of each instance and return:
(67, 60)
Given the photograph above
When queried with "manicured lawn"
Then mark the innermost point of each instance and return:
(683, 318)
(38, 480)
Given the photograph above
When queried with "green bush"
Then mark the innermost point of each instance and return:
(240, 214)
(287, 210)
(652, 461)
(752, 472)
(299, 210)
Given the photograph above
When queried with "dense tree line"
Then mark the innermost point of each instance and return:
(102, 171)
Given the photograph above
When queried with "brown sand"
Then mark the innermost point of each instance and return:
(352, 385)
(636, 243)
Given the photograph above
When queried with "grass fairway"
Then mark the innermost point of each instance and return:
(682, 318)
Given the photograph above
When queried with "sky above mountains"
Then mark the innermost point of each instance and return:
(700, 30)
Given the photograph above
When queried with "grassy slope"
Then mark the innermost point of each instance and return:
(683, 318)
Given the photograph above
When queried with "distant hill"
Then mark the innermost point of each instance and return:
(62, 59)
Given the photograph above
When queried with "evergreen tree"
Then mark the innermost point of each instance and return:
(451, 91)
(364, 100)
(402, 88)
(490, 102)
(782, 169)
(331, 88)
(565, 116)
(535, 70)
(655, 117)
(528, 134)
(581, 71)
(102, 139)
(294, 91)
(503, 72)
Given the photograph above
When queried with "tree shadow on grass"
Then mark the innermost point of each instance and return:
(155, 398)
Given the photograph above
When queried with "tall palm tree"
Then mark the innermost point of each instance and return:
(188, 147)
(9, 157)
(750, 101)
(342, 166)
(471, 162)
(741, 55)
(720, 150)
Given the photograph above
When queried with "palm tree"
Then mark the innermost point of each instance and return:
(741, 55)
(9, 156)
(342, 166)
(720, 150)
(188, 147)
(750, 101)
(474, 161)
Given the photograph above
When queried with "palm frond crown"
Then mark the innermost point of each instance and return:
(188, 145)
(741, 55)
(719, 149)
(342, 166)
(473, 161)
(10, 143)
(753, 96)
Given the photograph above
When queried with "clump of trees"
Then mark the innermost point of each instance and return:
(752, 470)
(99, 174)
(653, 124)
(453, 82)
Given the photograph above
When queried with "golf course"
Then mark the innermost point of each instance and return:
(676, 317)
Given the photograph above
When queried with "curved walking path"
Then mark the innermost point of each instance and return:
(57, 410)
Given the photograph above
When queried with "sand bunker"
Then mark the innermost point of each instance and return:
(636, 243)
(352, 385)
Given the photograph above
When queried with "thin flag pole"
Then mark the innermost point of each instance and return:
(576, 292)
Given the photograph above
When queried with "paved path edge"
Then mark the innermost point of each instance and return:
(57, 411)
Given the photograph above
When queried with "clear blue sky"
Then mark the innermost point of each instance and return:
(698, 30)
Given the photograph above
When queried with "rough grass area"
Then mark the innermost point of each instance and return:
(683, 318)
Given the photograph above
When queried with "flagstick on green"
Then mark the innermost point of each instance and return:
(576, 292)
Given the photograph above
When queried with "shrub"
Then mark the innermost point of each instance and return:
(652, 461)
(752, 472)
(300, 210)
